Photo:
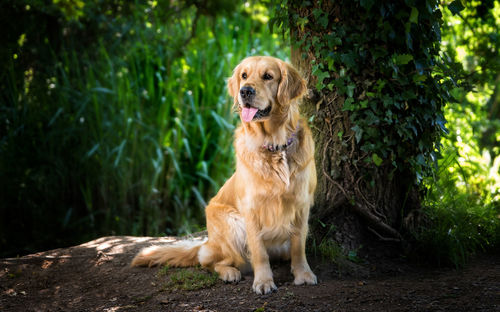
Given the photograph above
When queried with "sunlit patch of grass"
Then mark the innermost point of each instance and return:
(188, 278)
(164, 270)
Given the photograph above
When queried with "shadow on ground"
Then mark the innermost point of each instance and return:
(96, 276)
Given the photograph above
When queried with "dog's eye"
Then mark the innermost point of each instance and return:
(244, 75)
(267, 77)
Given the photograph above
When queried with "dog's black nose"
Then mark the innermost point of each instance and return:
(247, 92)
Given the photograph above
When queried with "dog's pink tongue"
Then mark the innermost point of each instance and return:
(247, 113)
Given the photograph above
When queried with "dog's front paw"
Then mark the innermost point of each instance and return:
(263, 287)
(305, 277)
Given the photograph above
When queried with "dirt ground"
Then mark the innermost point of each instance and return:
(96, 276)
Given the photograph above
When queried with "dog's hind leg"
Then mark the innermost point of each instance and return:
(227, 273)
(225, 250)
(210, 256)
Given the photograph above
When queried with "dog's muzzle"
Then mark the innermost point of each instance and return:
(247, 93)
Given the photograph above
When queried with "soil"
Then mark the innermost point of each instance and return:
(96, 276)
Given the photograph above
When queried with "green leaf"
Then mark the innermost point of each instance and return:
(414, 15)
(457, 92)
(321, 75)
(301, 22)
(348, 104)
(402, 59)
(350, 89)
(333, 40)
(455, 7)
(349, 59)
(376, 159)
(323, 20)
(420, 159)
(419, 78)
(367, 4)
(378, 52)
(330, 64)
(358, 133)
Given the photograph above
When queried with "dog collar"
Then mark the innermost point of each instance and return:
(277, 148)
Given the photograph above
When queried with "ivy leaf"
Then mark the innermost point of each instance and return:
(378, 52)
(348, 104)
(320, 74)
(376, 159)
(402, 59)
(323, 20)
(317, 13)
(350, 90)
(349, 59)
(455, 7)
(333, 40)
(330, 64)
(358, 133)
(420, 160)
(371, 118)
(301, 22)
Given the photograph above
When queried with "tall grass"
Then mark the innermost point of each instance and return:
(130, 138)
(460, 222)
(462, 204)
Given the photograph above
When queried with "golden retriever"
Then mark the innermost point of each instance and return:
(263, 209)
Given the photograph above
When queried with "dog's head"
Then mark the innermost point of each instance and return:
(262, 86)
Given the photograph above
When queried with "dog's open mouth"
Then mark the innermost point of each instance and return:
(249, 113)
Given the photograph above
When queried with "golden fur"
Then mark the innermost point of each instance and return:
(262, 210)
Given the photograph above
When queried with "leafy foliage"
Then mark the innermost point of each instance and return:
(391, 79)
(463, 201)
(460, 221)
(116, 118)
(394, 67)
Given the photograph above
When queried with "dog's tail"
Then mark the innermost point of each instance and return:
(183, 254)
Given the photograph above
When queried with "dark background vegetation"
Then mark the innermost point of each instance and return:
(115, 119)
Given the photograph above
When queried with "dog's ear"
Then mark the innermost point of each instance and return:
(233, 84)
(292, 85)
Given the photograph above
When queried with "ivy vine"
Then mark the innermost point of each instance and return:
(383, 58)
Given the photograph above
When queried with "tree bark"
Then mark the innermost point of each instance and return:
(356, 202)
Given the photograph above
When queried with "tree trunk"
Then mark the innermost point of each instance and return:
(359, 209)
(361, 198)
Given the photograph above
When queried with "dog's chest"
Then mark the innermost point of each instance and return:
(277, 215)
(278, 170)
(276, 224)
